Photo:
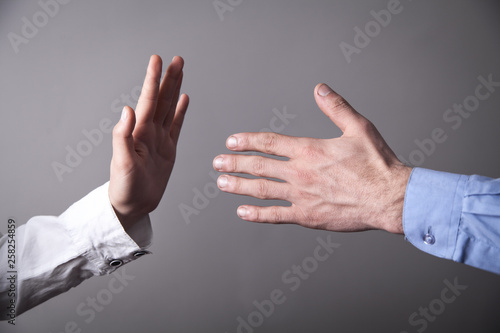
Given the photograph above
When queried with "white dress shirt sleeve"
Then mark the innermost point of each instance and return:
(54, 254)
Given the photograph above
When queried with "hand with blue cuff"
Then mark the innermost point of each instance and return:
(351, 183)
(356, 183)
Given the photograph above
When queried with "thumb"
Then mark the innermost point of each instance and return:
(123, 141)
(336, 107)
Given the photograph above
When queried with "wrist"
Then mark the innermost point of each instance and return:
(127, 216)
(127, 221)
(392, 216)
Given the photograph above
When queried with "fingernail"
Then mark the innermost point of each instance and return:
(218, 163)
(242, 211)
(222, 181)
(324, 90)
(232, 142)
(124, 114)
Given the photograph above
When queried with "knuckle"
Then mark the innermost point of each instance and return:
(367, 129)
(243, 141)
(262, 189)
(234, 184)
(258, 216)
(233, 163)
(312, 150)
(281, 215)
(269, 142)
(367, 125)
(258, 167)
(340, 103)
(276, 215)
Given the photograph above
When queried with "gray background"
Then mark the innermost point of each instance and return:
(262, 55)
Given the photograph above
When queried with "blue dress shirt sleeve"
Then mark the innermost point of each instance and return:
(454, 216)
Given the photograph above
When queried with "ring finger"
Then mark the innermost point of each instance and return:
(257, 188)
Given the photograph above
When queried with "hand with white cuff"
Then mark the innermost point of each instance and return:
(56, 253)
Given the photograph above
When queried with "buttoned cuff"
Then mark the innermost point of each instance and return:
(99, 236)
(432, 210)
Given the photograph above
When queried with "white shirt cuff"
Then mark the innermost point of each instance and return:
(98, 234)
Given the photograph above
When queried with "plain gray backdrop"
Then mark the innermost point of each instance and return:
(257, 57)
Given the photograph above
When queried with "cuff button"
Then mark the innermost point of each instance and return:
(115, 263)
(140, 253)
(429, 239)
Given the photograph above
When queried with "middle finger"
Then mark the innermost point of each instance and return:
(253, 165)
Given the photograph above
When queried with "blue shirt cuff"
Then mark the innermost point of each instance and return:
(432, 210)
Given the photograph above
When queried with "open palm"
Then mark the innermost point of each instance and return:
(145, 141)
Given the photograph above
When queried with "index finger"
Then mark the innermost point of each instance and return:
(146, 106)
(267, 143)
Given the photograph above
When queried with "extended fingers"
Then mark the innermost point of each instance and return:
(180, 112)
(268, 143)
(253, 165)
(257, 188)
(169, 91)
(146, 106)
(273, 214)
(167, 122)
